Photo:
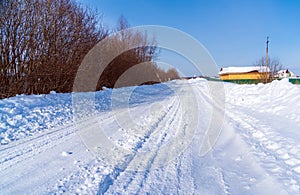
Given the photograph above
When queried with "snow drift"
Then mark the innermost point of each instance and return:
(257, 152)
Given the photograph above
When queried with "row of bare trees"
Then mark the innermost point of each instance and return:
(42, 44)
(137, 64)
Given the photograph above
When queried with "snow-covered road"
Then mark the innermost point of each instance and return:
(155, 144)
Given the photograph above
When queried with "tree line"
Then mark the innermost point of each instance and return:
(42, 44)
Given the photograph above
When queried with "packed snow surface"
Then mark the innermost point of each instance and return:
(148, 140)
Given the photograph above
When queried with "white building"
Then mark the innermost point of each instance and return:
(284, 74)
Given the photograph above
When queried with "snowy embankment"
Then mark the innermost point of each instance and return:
(22, 116)
(257, 152)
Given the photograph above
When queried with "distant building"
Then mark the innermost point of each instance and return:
(244, 73)
(284, 74)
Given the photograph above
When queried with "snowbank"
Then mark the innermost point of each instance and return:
(279, 98)
(24, 115)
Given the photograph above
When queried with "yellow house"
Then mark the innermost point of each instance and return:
(244, 73)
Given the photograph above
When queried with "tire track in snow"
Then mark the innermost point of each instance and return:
(32, 163)
(124, 178)
(215, 175)
(26, 148)
(183, 167)
(279, 156)
(165, 134)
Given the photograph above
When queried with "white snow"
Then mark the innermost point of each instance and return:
(243, 69)
(146, 140)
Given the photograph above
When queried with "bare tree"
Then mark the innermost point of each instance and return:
(42, 44)
(143, 53)
(274, 66)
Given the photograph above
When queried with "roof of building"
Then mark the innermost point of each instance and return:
(243, 69)
(284, 73)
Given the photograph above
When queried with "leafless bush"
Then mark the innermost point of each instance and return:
(144, 54)
(42, 44)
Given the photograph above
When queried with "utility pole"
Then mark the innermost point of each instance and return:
(267, 60)
(267, 53)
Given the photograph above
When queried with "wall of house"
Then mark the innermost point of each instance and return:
(242, 76)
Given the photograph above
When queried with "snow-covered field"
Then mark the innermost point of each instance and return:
(148, 140)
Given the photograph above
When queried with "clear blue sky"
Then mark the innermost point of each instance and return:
(233, 31)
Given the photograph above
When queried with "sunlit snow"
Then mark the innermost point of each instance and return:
(43, 150)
